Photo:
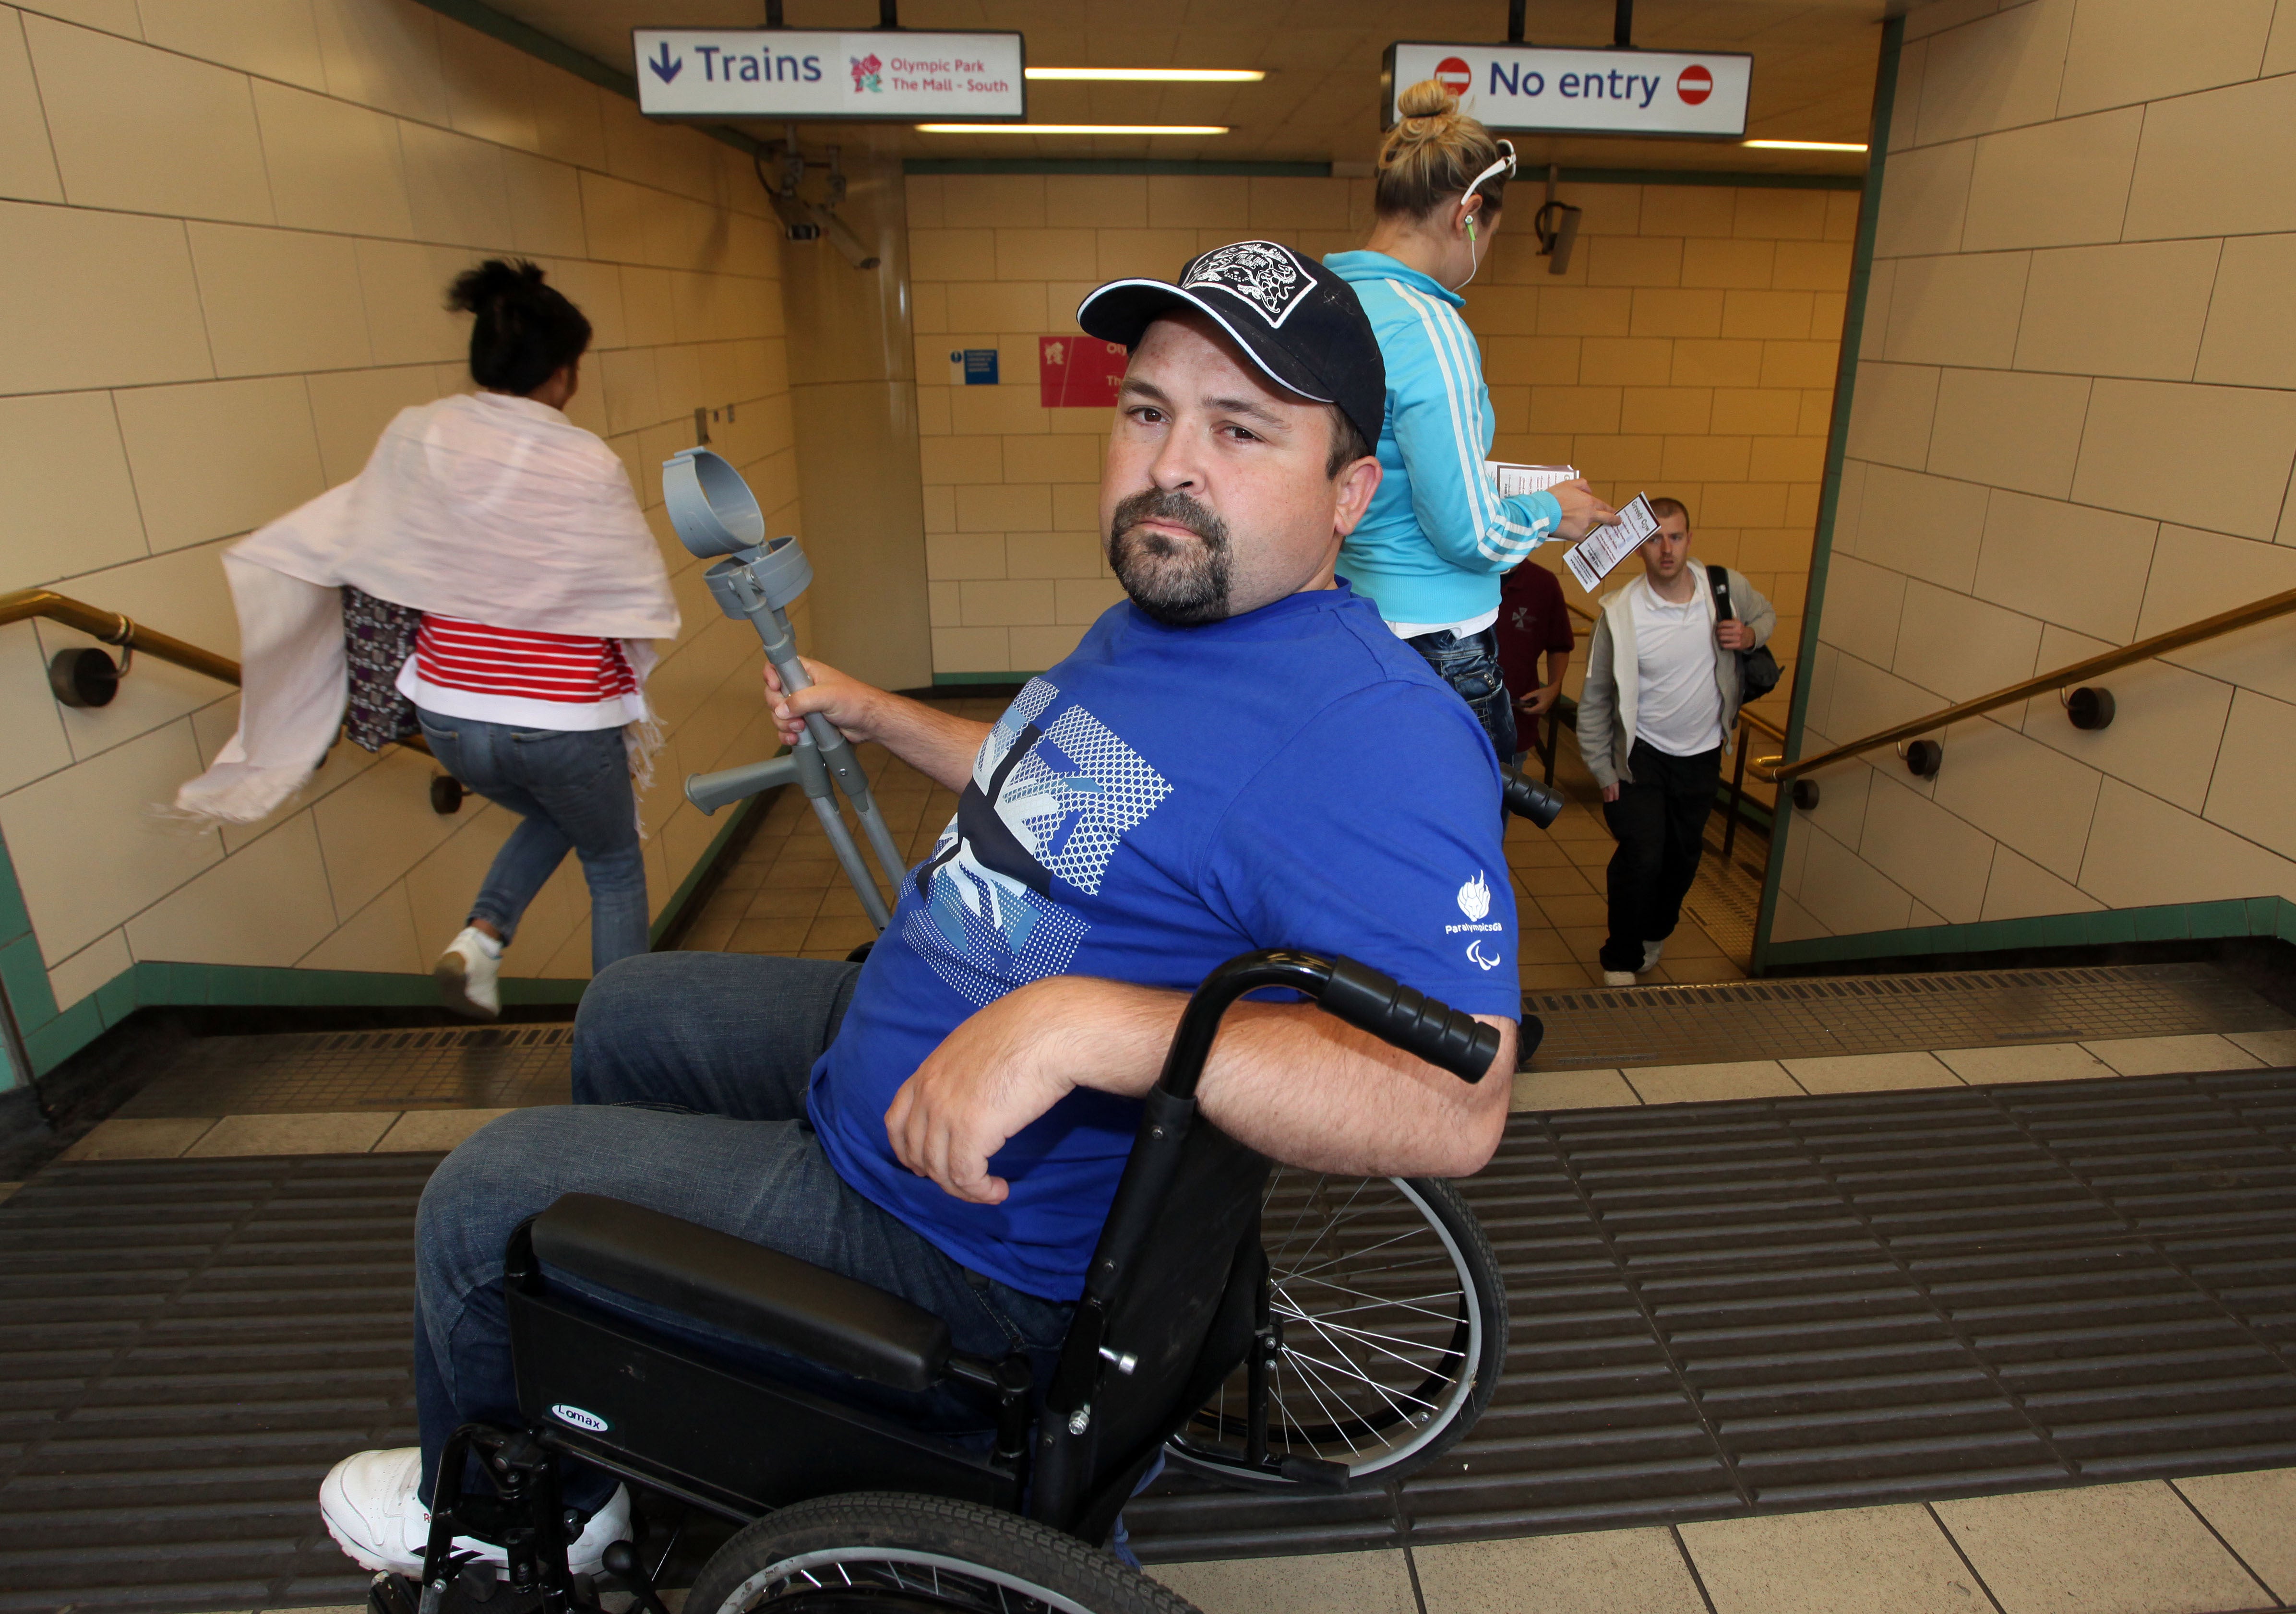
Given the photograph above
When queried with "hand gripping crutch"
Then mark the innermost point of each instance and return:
(715, 513)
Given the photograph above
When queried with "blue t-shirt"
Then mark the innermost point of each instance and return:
(1163, 800)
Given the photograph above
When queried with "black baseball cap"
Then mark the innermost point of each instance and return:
(1301, 323)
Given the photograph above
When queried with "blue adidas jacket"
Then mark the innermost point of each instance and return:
(1436, 539)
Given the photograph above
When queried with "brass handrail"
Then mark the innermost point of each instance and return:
(118, 627)
(1778, 770)
(115, 628)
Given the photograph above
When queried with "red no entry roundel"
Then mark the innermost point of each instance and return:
(1695, 84)
(1455, 75)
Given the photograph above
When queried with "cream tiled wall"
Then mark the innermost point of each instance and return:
(2074, 421)
(225, 232)
(1690, 351)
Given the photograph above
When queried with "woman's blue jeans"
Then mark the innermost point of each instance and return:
(1470, 664)
(571, 790)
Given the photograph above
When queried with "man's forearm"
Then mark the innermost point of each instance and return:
(1294, 1083)
(937, 744)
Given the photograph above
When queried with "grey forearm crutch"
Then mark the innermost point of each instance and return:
(715, 513)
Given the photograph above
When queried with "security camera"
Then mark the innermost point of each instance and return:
(847, 244)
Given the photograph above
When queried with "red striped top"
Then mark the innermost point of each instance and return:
(471, 656)
(522, 678)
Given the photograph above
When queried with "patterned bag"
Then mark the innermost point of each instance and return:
(378, 637)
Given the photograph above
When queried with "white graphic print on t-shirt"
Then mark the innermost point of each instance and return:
(1046, 804)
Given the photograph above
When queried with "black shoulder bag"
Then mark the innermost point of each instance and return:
(1757, 670)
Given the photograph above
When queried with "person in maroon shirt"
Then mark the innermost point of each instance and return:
(1533, 619)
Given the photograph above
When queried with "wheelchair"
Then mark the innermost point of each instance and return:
(1177, 1345)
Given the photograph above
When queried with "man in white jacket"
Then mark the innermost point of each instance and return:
(1659, 711)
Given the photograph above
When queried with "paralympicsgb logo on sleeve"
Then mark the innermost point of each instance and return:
(1475, 896)
(1267, 276)
(1475, 903)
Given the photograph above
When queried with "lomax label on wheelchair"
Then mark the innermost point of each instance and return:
(579, 1419)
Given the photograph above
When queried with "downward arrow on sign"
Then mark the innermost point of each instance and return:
(665, 66)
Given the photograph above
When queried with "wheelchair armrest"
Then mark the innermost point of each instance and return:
(777, 1299)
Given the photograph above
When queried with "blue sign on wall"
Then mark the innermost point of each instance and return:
(973, 366)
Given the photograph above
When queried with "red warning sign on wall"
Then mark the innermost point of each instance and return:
(1078, 371)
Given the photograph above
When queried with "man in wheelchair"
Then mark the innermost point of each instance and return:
(1242, 757)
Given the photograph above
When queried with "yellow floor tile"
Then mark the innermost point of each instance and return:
(2273, 1048)
(2099, 1549)
(777, 936)
(785, 902)
(1543, 947)
(335, 1132)
(1694, 971)
(1600, 1572)
(708, 933)
(1556, 880)
(423, 1131)
(838, 931)
(1571, 1090)
(2032, 1062)
(2255, 1515)
(1888, 1558)
(1580, 909)
(8, 1191)
(744, 875)
(1554, 977)
(1869, 1072)
(1698, 1084)
(2160, 1055)
(145, 1139)
(1361, 1583)
(1689, 941)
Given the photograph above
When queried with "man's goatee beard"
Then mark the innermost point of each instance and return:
(1179, 583)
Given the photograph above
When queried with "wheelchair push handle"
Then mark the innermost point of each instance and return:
(1356, 993)
(1409, 1019)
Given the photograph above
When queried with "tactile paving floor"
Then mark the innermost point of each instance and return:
(501, 1067)
(1717, 1309)
(1789, 1018)
(464, 1068)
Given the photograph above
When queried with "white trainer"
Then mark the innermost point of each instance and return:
(369, 1503)
(1617, 978)
(1650, 951)
(466, 974)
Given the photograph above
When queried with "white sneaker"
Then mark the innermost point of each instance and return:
(368, 1501)
(1651, 950)
(1617, 978)
(466, 974)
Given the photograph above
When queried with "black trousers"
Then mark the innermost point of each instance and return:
(1659, 819)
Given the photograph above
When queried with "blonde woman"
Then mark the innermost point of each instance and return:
(1431, 550)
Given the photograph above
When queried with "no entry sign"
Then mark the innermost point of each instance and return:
(1546, 90)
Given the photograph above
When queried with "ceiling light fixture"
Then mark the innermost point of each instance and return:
(1806, 146)
(1072, 128)
(1153, 75)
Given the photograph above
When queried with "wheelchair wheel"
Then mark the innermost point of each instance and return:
(1394, 1326)
(887, 1553)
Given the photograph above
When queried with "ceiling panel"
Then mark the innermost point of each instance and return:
(1814, 64)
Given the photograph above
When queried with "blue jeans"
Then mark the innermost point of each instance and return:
(571, 790)
(1471, 666)
(707, 1056)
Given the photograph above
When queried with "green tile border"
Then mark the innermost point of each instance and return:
(1837, 444)
(2271, 917)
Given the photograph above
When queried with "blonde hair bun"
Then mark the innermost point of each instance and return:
(1432, 155)
(1426, 99)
